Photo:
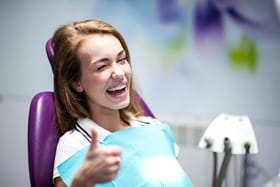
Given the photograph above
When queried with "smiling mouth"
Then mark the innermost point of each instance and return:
(116, 90)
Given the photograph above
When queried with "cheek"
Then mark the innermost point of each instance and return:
(92, 83)
(128, 71)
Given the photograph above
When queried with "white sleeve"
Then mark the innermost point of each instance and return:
(68, 144)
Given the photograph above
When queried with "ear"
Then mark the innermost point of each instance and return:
(76, 86)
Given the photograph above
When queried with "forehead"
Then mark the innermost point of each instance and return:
(99, 45)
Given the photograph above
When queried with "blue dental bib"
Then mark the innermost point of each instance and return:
(148, 159)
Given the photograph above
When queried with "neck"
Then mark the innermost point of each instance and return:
(109, 119)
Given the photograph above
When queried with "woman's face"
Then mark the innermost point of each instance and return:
(105, 73)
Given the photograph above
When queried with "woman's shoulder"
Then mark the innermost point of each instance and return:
(71, 141)
(69, 135)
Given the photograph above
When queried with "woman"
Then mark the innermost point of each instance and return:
(105, 139)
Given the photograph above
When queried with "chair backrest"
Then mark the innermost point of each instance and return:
(43, 133)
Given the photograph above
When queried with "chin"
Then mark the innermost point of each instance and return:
(121, 105)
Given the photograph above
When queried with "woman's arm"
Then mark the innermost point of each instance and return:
(58, 182)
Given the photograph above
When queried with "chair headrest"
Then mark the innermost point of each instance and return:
(49, 51)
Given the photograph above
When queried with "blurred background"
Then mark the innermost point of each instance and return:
(192, 60)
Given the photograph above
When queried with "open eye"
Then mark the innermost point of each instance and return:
(122, 60)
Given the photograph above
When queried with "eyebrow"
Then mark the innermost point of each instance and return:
(106, 59)
(121, 52)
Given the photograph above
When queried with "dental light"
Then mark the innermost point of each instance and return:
(228, 134)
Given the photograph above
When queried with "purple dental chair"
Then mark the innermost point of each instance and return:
(43, 133)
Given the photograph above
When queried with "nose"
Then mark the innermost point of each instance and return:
(117, 72)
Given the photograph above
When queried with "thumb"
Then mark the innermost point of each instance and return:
(94, 141)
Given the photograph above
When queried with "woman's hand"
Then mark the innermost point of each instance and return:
(100, 165)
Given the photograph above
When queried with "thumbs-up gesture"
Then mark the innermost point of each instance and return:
(100, 165)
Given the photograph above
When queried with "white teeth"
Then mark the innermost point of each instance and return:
(117, 88)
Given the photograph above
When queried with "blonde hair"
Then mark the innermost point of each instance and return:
(71, 105)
